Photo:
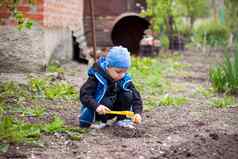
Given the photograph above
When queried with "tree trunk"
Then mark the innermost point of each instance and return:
(170, 22)
(192, 20)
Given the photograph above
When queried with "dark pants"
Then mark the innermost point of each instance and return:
(121, 102)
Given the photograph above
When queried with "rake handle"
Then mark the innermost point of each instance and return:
(127, 113)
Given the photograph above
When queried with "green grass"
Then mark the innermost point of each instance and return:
(39, 88)
(146, 74)
(13, 89)
(14, 130)
(23, 122)
(211, 33)
(149, 76)
(204, 92)
(45, 88)
(171, 66)
(17, 131)
(55, 68)
(167, 100)
(224, 102)
(224, 77)
(3, 148)
(33, 111)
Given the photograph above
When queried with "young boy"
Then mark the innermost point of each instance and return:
(109, 87)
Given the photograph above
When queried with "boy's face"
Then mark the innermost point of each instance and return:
(117, 73)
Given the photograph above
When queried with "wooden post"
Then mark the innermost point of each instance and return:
(91, 8)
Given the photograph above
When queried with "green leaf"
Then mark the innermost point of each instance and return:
(4, 148)
(56, 125)
(167, 100)
(55, 68)
(31, 131)
(29, 24)
(224, 77)
(225, 102)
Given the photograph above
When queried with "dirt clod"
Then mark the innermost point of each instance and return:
(127, 132)
(214, 136)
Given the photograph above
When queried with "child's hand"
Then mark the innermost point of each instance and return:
(102, 109)
(137, 119)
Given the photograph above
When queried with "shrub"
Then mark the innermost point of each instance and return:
(224, 77)
(164, 41)
(211, 33)
(184, 30)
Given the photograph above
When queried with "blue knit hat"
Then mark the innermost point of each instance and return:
(119, 57)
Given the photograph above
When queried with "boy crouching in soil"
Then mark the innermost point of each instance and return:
(107, 88)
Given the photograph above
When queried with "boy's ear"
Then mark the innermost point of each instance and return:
(103, 52)
(98, 54)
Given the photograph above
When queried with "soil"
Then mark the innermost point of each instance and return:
(193, 131)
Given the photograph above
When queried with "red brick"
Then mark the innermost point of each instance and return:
(4, 14)
(23, 8)
(37, 17)
(23, 2)
(40, 2)
(4, 9)
(11, 22)
(40, 8)
(62, 13)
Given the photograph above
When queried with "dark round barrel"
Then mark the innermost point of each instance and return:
(128, 30)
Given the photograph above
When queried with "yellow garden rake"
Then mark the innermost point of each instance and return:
(128, 114)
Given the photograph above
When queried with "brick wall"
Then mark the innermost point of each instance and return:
(49, 13)
(33, 12)
(63, 13)
(50, 38)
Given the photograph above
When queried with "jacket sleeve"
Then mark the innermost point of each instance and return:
(87, 93)
(137, 104)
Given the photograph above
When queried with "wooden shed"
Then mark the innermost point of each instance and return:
(117, 23)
